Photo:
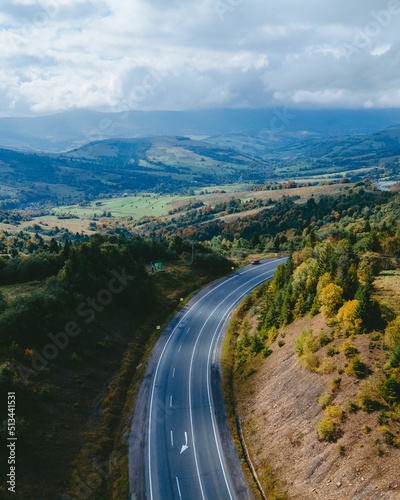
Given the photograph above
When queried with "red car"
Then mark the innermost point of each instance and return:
(255, 262)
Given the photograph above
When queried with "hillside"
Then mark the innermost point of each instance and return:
(178, 164)
(116, 166)
(311, 364)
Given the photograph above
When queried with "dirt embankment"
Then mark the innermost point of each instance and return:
(279, 411)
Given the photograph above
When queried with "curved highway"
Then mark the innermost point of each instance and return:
(183, 452)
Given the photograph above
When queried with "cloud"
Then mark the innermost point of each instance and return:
(152, 54)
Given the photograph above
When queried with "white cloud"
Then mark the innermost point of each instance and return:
(61, 54)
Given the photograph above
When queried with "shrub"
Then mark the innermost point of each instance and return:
(341, 450)
(367, 398)
(390, 438)
(390, 390)
(335, 383)
(356, 368)
(323, 339)
(327, 429)
(309, 361)
(324, 400)
(241, 354)
(256, 345)
(281, 343)
(272, 334)
(352, 407)
(334, 411)
(366, 429)
(251, 371)
(349, 350)
(394, 361)
(327, 366)
(331, 351)
(305, 343)
(266, 352)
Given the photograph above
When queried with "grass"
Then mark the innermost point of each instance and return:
(129, 206)
(387, 287)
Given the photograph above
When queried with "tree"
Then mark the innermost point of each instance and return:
(373, 244)
(351, 282)
(3, 302)
(348, 317)
(255, 240)
(331, 299)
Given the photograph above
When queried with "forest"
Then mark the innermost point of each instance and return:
(65, 301)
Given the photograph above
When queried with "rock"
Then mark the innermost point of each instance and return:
(339, 484)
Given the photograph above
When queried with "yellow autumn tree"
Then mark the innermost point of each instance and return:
(347, 317)
(331, 299)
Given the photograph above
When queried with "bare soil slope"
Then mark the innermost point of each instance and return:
(279, 410)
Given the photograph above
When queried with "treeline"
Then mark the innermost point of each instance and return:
(75, 271)
(285, 215)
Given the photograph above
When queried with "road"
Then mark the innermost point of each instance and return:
(183, 452)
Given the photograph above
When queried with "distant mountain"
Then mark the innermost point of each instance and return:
(177, 164)
(68, 130)
(116, 166)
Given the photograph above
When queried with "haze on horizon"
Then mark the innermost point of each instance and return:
(113, 55)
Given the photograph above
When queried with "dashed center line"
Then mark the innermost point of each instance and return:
(170, 401)
(180, 347)
(179, 489)
(173, 373)
(172, 440)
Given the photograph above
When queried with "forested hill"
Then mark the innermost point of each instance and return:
(282, 220)
(105, 168)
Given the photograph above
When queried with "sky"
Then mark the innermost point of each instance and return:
(113, 55)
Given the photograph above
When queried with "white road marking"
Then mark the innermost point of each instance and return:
(185, 446)
(160, 358)
(173, 373)
(172, 440)
(190, 381)
(180, 347)
(170, 401)
(179, 489)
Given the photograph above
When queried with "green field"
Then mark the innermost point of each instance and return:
(129, 206)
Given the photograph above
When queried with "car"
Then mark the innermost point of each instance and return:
(255, 262)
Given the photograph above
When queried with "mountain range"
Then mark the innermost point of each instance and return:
(63, 131)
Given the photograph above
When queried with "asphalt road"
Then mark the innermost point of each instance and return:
(183, 452)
